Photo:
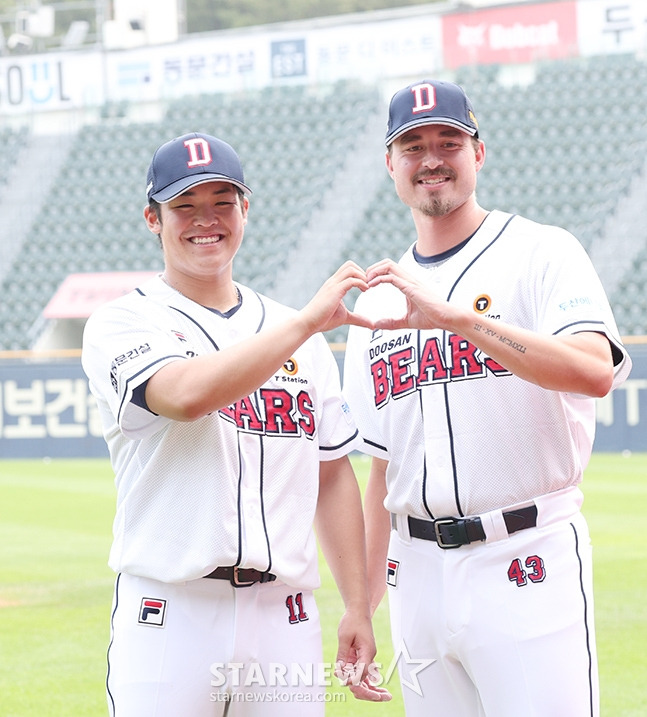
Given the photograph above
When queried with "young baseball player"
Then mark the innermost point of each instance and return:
(475, 396)
(229, 436)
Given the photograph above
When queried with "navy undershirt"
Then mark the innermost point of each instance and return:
(439, 258)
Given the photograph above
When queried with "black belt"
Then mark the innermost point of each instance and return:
(241, 577)
(454, 532)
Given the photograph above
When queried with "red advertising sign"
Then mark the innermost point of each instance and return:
(516, 34)
(80, 294)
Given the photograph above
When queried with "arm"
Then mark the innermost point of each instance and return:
(340, 529)
(189, 389)
(578, 363)
(378, 528)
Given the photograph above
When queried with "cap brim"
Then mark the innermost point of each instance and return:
(422, 121)
(181, 186)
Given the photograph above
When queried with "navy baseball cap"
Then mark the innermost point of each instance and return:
(189, 160)
(430, 102)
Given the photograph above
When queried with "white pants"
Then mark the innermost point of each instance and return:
(502, 628)
(207, 649)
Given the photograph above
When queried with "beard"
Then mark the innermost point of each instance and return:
(436, 207)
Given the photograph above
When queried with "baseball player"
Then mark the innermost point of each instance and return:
(475, 396)
(228, 435)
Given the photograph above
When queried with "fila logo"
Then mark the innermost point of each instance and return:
(392, 567)
(152, 612)
(424, 96)
(199, 152)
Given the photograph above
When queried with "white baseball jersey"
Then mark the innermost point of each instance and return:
(237, 487)
(462, 434)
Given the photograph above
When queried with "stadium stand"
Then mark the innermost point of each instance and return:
(566, 143)
(564, 147)
(11, 139)
(292, 141)
(91, 221)
(572, 141)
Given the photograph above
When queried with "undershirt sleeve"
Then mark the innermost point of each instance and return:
(139, 396)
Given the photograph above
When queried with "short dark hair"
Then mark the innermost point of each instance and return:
(155, 208)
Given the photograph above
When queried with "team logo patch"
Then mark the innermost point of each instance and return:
(290, 367)
(152, 612)
(482, 303)
(392, 567)
(199, 152)
(424, 97)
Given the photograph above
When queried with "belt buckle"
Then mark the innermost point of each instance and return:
(237, 582)
(439, 539)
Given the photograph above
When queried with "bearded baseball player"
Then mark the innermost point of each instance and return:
(475, 396)
(228, 435)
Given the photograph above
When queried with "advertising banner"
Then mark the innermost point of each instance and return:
(47, 410)
(520, 33)
(374, 49)
(607, 27)
(52, 81)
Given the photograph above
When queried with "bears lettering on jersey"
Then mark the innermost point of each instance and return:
(397, 372)
(275, 412)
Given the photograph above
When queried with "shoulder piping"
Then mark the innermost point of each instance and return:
(340, 445)
(139, 373)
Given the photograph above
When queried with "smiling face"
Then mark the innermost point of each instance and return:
(201, 230)
(434, 168)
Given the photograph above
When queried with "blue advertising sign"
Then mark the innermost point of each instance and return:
(47, 410)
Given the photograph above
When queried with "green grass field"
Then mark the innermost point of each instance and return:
(55, 588)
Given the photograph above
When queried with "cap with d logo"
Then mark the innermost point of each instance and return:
(189, 160)
(430, 102)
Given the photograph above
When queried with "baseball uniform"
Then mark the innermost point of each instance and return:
(243, 495)
(503, 601)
